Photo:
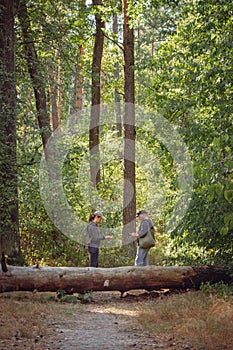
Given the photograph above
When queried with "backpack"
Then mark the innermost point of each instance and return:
(85, 237)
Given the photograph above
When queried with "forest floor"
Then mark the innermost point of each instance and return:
(103, 320)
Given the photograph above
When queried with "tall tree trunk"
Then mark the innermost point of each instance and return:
(129, 209)
(95, 111)
(55, 92)
(117, 77)
(52, 97)
(59, 94)
(9, 233)
(79, 82)
(153, 46)
(35, 72)
(22, 123)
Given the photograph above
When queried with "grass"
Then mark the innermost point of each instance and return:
(25, 318)
(22, 317)
(204, 320)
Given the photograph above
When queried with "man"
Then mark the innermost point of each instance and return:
(145, 226)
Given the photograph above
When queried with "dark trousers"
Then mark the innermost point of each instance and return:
(94, 256)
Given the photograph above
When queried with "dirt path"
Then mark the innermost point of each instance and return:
(96, 329)
(107, 323)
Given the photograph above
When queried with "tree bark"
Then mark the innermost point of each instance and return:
(9, 233)
(52, 97)
(80, 280)
(129, 209)
(117, 97)
(35, 73)
(79, 82)
(59, 93)
(95, 111)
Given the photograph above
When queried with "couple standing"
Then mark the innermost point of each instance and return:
(95, 237)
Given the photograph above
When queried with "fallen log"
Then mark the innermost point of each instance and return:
(81, 280)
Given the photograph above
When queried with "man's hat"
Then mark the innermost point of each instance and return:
(141, 212)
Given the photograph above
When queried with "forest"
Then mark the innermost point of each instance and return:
(116, 106)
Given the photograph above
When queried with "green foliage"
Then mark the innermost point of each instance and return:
(115, 257)
(193, 87)
(220, 289)
(183, 53)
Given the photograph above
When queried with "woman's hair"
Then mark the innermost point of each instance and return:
(91, 218)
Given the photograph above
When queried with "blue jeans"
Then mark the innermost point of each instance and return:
(94, 256)
(142, 257)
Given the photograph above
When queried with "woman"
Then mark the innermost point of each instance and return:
(95, 237)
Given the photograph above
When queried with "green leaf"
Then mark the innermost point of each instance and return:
(228, 195)
(224, 231)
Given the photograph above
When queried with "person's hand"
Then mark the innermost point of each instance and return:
(109, 237)
(134, 235)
